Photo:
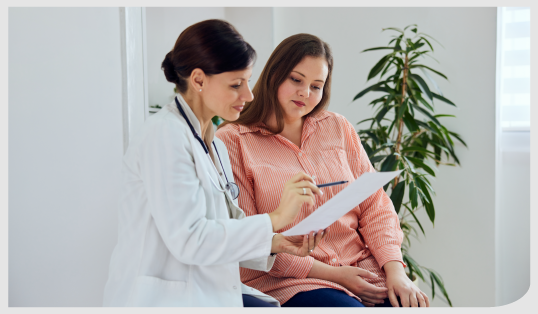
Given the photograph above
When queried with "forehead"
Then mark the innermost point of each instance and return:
(234, 75)
(313, 67)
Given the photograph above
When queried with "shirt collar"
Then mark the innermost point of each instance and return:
(262, 128)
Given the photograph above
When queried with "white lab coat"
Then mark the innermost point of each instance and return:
(177, 245)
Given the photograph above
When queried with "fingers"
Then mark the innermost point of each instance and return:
(319, 237)
(392, 298)
(301, 176)
(366, 274)
(372, 301)
(311, 242)
(404, 299)
(413, 300)
(309, 185)
(368, 304)
(425, 298)
(421, 300)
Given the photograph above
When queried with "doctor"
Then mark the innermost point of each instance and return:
(177, 244)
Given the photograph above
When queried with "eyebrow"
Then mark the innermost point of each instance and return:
(322, 81)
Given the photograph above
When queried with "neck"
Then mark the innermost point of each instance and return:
(292, 129)
(202, 113)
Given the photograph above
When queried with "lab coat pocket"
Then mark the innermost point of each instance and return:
(153, 291)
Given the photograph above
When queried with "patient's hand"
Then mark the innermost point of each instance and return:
(352, 278)
(400, 285)
(301, 245)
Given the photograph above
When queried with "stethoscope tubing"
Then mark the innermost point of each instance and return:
(206, 150)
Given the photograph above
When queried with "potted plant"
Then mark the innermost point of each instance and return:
(406, 133)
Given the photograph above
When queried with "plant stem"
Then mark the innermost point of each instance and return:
(401, 123)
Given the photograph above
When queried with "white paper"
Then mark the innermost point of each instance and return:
(354, 194)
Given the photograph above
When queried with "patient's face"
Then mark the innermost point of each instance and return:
(302, 90)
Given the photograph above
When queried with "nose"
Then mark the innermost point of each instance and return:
(247, 95)
(304, 92)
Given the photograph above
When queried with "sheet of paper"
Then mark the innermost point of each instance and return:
(354, 194)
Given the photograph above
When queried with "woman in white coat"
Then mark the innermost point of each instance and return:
(181, 236)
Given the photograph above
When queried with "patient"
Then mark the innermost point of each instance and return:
(286, 129)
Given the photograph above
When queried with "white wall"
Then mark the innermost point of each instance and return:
(65, 150)
(514, 213)
(461, 246)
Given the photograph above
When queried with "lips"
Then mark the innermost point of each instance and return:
(298, 103)
(238, 108)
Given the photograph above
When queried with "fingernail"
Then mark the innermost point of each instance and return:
(321, 192)
(322, 232)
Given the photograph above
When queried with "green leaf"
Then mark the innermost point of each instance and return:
(377, 48)
(441, 285)
(433, 285)
(379, 66)
(397, 195)
(422, 85)
(414, 30)
(418, 222)
(375, 159)
(431, 38)
(444, 115)
(402, 109)
(394, 29)
(410, 123)
(427, 67)
(367, 89)
(369, 119)
(422, 150)
(427, 114)
(421, 164)
(456, 135)
(415, 266)
(430, 210)
(389, 163)
(373, 137)
(441, 98)
(409, 26)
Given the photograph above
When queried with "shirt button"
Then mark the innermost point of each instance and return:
(334, 260)
(300, 154)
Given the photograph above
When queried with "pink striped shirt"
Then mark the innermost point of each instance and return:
(368, 236)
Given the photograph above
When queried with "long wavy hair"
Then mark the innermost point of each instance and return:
(282, 61)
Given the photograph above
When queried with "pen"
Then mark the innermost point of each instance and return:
(330, 184)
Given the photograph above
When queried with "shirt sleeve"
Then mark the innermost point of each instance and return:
(285, 265)
(378, 222)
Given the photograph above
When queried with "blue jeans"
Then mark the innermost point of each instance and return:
(250, 301)
(325, 297)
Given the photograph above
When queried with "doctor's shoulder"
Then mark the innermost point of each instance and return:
(160, 129)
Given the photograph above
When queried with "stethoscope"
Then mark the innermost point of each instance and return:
(231, 187)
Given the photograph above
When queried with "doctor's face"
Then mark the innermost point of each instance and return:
(226, 93)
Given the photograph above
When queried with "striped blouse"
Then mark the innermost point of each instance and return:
(367, 237)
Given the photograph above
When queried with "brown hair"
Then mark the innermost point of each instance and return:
(282, 61)
(214, 46)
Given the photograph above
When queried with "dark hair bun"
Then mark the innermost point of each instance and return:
(169, 70)
(214, 46)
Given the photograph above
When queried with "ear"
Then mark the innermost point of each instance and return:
(197, 79)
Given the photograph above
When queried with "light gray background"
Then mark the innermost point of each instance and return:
(65, 139)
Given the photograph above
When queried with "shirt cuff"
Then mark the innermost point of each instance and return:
(300, 268)
(387, 253)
